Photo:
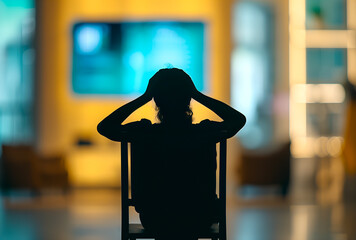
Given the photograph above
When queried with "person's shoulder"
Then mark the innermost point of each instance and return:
(205, 121)
(145, 122)
(138, 127)
(208, 123)
(209, 126)
(212, 130)
(136, 131)
(142, 123)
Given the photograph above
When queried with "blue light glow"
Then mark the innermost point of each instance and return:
(89, 38)
(122, 58)
(252, 71)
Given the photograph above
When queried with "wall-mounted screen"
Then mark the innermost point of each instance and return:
(120, 58)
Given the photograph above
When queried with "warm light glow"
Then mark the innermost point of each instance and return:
(296, 14)
(297, 38)
(308, 147)
(297, 67)
(94, 166)
(64, 117)
(351, 17)
(302, 93)
(297, 75)
(302, 147)
(318, 93)
(330, 38)
(334, 145)
(351, 38)
(298, 93)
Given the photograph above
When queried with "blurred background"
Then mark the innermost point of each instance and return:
(289, 66)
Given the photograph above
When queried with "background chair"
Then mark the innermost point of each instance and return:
(23, 168)
(136, 230)
(266, 167)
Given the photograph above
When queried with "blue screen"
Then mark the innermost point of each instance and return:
(120, 58)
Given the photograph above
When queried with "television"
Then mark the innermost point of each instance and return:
(120, 58)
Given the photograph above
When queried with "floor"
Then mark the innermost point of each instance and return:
(95, 214)
(310, 212)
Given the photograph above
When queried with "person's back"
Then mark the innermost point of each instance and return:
(174, 171)
(173, 162)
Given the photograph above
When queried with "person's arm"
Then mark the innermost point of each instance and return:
(112, 127)
(233, 120)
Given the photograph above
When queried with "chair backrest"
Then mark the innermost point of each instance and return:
(127, 201)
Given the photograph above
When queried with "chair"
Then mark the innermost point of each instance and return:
(22, 167)
(263, 167)
(134, 230)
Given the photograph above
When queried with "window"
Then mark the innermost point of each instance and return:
(252, 71)
(321, 14)
(17, 25)
(321, 58)
(325, 94)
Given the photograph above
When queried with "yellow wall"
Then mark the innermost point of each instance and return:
(62, 116)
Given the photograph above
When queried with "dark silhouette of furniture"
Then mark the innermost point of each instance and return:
(136, 230)
(22, 167)
(266, 167)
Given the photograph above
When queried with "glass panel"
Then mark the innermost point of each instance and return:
(115, 58)
(17, 25)
(326, 65)
(322, 14)
(252, 71)
(325, 93)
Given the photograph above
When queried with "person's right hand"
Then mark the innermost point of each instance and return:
(151, 86)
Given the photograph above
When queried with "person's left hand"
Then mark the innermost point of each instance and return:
(192, 89)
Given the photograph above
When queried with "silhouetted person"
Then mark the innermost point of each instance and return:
(174, 161)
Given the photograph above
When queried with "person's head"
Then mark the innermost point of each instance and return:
(172, 95)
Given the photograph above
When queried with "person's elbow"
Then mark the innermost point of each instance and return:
(104, 129)
(113, 132)
(236, 124)
(242, 121)
(101, 129)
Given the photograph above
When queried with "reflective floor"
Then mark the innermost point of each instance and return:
(95, 214)
(313, 210)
